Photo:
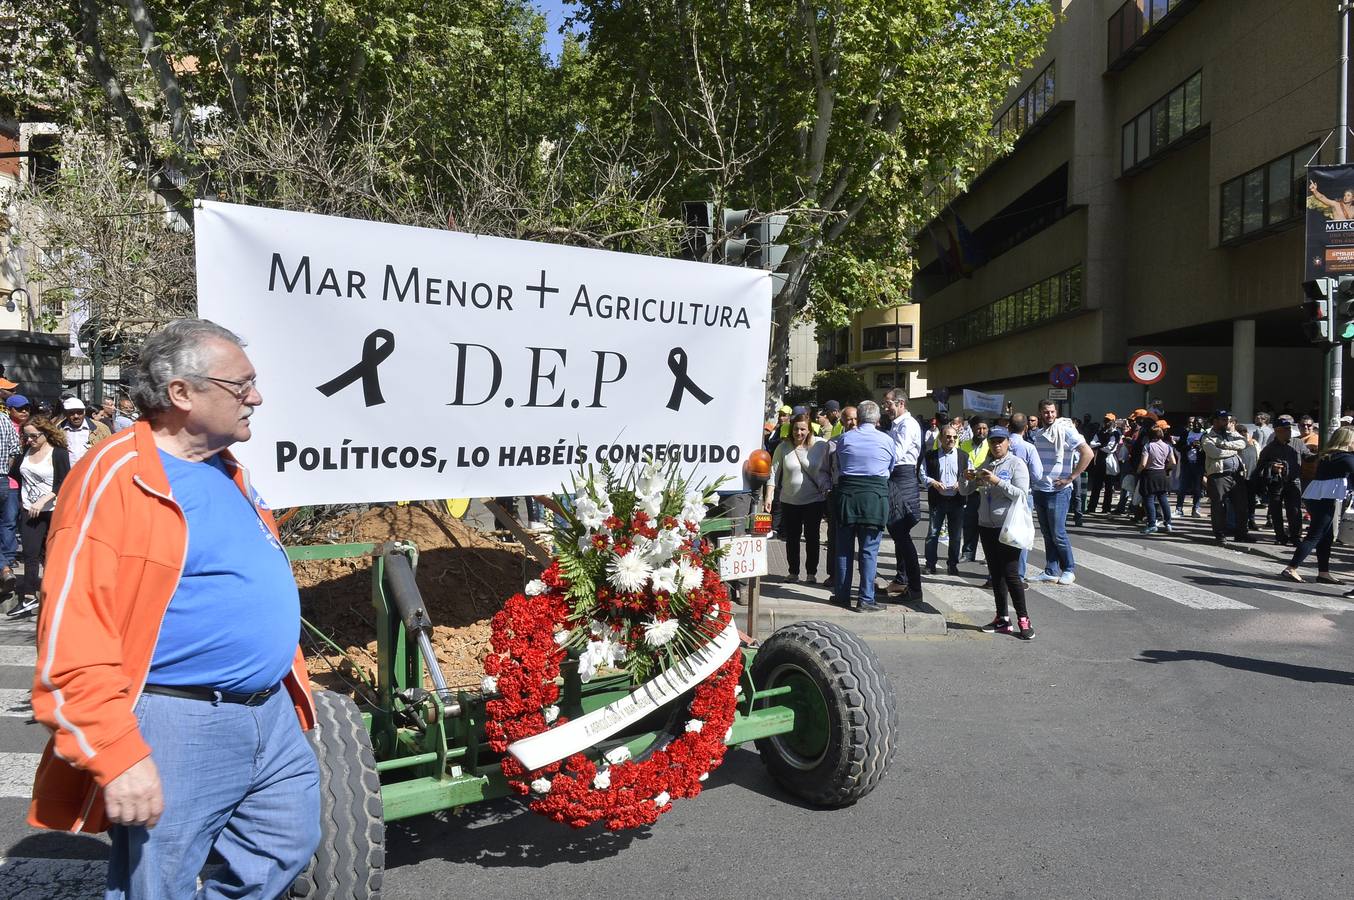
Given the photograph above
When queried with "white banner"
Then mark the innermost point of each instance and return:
(987, 404)
(401, 363)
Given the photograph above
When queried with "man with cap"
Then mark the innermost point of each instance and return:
(82, 432)
(7, 388)
(1225, 476)
(1105, 442)
(779, 431)
(1277, 480)
(834, 415)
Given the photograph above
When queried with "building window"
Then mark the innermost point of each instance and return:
(883, 381)
(1266, 197)
(1052, 298)
(1134, 21)
(886, 337)
(1035, 102)
(1165, 124)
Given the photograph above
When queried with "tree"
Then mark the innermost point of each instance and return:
(841, 113)
(843, 384)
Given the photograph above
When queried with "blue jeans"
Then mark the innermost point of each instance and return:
(240, 780)
(1051, 508)
(867, 537)
(9, 523)
(1162, 500)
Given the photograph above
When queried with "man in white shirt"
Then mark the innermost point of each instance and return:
(904, 499)
(1064, 454)
(82, 432)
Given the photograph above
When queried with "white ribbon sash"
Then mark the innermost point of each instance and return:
(579, 734)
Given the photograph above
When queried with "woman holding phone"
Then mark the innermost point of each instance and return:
(1002, 483)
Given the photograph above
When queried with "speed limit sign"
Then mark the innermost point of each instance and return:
(1147, 367)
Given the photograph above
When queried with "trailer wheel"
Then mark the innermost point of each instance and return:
(350, 861)
(846, 716)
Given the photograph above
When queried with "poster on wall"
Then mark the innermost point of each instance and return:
(1330, 221)
(400, 363)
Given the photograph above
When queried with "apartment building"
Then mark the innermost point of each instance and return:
(884, 345)
(1154, 200)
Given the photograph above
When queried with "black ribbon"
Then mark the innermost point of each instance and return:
(682, 383)
(375, 350)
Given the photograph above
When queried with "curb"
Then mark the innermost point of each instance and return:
(892, 621)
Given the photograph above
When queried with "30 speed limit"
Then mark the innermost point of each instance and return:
(1147, 367)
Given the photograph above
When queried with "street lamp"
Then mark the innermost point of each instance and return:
(16, 296)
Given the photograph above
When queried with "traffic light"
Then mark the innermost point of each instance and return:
(1344, 307)
(738, 242)
(699, 217)
(1316, 313)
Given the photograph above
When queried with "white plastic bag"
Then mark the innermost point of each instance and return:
(1018, 529)
(1111, 465)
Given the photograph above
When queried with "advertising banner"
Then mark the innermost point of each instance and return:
(1330, 221)
(400, 363)
(987, 404)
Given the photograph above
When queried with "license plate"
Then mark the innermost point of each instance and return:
(744, 558)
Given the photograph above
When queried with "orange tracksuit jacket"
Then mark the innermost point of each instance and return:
(114, 556)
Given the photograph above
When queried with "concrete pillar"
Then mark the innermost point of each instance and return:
(1243, 369)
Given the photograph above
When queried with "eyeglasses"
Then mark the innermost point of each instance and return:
(33, 435)
(238, 389)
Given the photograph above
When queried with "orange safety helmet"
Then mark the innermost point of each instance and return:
(757, 467)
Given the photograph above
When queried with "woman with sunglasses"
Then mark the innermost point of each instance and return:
(44, 467)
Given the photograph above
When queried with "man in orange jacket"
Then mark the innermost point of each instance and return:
(168, 669)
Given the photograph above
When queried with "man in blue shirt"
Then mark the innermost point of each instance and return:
(863, 459)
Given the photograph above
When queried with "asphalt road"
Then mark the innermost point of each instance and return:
(1169, 746)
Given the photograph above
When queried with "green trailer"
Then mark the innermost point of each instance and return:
(815, 702)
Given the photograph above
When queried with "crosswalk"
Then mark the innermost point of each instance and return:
(1120, 570)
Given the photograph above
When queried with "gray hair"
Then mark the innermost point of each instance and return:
(868, 411)
(176, 351)
(897, 395)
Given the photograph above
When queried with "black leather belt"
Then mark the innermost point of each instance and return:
(211, 695)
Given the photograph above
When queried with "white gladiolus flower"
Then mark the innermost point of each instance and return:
(664, 579)
(618, 755)
(669, 540)
(535, 587)
(602, 780)
(598, 653)
(584, 544)
(629, 572)
(662, 799)
(651, 481)
(695, 725)
(541, 785)
(489, 684)
(652, 504)
(693, 507)
(598, 628)
(656, 633)
(551, 714)
(589, 513)
(689, 576)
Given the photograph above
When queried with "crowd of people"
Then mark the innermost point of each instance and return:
(40, 442)
(865, 467)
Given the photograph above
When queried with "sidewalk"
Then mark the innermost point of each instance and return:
(782, 603)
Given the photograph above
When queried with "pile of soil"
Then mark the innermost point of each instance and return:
(463, 575)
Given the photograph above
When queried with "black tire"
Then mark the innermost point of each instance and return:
(845, 736)
(349, 863)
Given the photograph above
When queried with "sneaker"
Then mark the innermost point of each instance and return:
(1066, 578)
(869, 608)
(1169, 529)
(1150, 529)
(896, 587)
(998, 625)
(26, 608)
(1026, 629)
(930, 570)
(1045, 577)
(952, 570)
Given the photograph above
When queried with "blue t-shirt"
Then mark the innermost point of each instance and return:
(235, 619)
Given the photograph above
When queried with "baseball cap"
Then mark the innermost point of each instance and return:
(998, 434)
(8, 385)
(785, 409)
(1111, 417)
(1220, 414)
(832, 406)
(1285, 421)
(1138, 412)
(70, 404)
(17, 401)
(1163, 424)
(799, 411)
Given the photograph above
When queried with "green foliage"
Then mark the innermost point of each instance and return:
(843, 384)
